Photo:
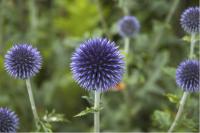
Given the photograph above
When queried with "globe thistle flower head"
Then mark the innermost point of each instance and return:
(190, 20)
(97, 65)
(128, 26)
(22, 61)
(8, 121)
(187, 75)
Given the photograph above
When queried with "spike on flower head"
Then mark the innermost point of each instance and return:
(128, 26)
(187, 75)
(97, 65)
(8, 120)
(22, 61)
(190, 20)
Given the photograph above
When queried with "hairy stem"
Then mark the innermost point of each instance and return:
(126, 46)
(97, 113)
(124, 5)
(167, 20)
(192, 46)
(33, 107)
(102, 19)
(2, 14)
(126, 50)
(33, 20)
(180, 110)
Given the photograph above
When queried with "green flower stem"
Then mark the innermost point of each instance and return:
(126, 50)
(185, 94)
(180, 110)
(124, 6)
(33, 107)
(97, 113)
(126, 76)
(2, 16)
(192, 46)
(166, 22)
(126, 46)
(102, 19)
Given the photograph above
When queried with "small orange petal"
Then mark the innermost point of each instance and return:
(119, 87)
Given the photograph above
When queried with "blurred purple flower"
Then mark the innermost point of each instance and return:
(128, 26)
(190, 20)
(22, 61)
(97, 65)
(187, 75)
(8, 120)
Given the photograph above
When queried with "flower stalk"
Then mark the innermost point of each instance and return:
(32, 102)
(97, 112)
(180, 110)
(192, 46)
(126, 50)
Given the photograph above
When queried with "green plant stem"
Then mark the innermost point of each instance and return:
(126, 76)
(97, 112)
(185, 94)
(33, 107)
(33, 20)
(126, 46)
(192, 46)
(126, 50)
(167, 20)
(32, 12)
(2, 14)
(123, 4)
(180, 110)
(102, 19)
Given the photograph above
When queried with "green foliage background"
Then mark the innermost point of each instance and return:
(56, 27)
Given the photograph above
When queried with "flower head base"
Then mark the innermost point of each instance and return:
(22, 61)
(128, 26)
(97, 65)
(190, 20)
(187, 75)
(8, 120)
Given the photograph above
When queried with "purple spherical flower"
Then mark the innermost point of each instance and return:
(22, 61)
(190, 20)
(8, 120)
(128, 26)
(97, 65)
(187, 75)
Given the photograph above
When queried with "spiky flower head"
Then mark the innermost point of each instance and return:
(128, 26)
(22, 61)
(8, 121)
(187, 75)
(97, 65)
(190, 20)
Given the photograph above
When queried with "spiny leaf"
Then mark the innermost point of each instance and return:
(172, 98)
(89, 99)
(54, 117)
(87, 111)
(186, 38)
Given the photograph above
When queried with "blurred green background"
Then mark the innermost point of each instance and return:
(147, 101)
